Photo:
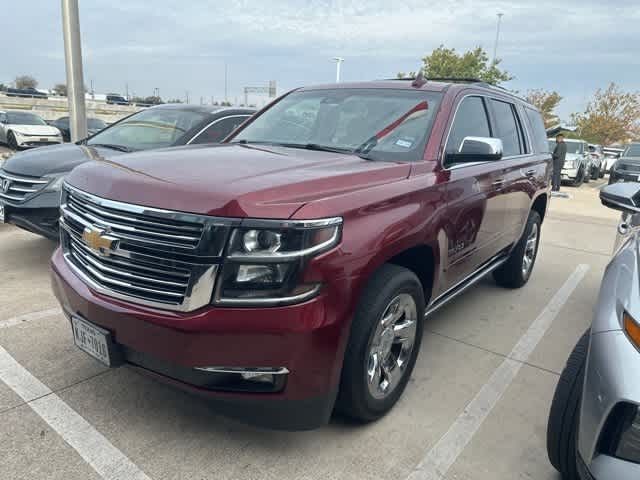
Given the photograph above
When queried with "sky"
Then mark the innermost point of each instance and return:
(573, 47)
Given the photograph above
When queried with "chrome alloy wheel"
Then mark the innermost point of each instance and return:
(530, 250)
(391, 346)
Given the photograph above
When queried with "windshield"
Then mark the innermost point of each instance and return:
(575, 147)
(388, 125)
(95, 124)
(23, 118)
(632, 150)
(152, 128)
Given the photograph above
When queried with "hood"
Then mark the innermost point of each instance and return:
(44, 130)
(232, 180)
(574, 156)
(634, 160)
(53, 159)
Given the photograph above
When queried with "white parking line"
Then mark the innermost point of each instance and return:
(109, 462)
(27, 317)
(444, 453)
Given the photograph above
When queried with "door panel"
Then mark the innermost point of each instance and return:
(476, 219)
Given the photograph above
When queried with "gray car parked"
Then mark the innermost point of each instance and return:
(594, 423)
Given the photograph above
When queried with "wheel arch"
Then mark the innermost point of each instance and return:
(540, 204)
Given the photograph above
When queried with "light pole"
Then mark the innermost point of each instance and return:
(73, 62)
(338, 61)
(495, 45)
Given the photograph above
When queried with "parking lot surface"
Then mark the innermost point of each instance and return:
(476, 406)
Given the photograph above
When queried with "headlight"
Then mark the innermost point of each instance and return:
(631, 328)
(265, 260)
(56, 182)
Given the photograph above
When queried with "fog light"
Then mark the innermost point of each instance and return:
(629, 443)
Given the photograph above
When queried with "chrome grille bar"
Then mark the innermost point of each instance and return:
(21, 187)
(156, 257)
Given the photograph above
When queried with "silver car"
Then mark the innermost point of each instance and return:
(594, 423)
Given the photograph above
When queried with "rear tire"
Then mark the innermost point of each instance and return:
(366, 363)
(579, 179)
(562, 428)
(516, 271)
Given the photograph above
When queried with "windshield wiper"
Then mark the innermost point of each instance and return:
(112, 146)
(317, 147)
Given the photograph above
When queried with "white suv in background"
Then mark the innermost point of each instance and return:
(577, 164)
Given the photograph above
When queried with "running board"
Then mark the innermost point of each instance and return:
(461, 287)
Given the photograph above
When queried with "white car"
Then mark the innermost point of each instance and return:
(20, 129)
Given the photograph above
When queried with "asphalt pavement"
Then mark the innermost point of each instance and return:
(476, 407)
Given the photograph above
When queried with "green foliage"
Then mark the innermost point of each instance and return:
(60, 89)
(174, 100)
(25, 81)
(546, 102)
(448, 63)
(611, 116)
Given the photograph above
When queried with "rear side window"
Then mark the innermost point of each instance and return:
(470, 121)
(507, 126)
(219, 130)
(538, 132)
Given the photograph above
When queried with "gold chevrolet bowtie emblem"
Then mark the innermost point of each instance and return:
(98, 241)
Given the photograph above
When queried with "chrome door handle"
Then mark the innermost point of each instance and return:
(498, 183)
(530, 173)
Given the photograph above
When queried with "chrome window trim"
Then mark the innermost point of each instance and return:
(473, 164)
(245, 116)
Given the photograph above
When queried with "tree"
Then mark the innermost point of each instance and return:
(611, 116)
(447, 63)
(174, 100)
(547, 102)
(3, 87)
(25, 81)
(60, 89)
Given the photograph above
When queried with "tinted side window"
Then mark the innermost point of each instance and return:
(470, 121)
(219, 130)
(538, 132)
(507, 127)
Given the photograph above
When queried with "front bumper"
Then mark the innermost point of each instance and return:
(30, 141)
(611, 377)
(569, 173)
(38, 215)
(307, 339)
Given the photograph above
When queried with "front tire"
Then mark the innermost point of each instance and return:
(11, 141)
(385, 339)
(579, 178)
(596, 173)
(516, 271)
(562, 428)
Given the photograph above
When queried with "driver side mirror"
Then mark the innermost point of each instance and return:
(623, 196)
(477, 149)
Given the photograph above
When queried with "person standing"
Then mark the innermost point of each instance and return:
(559, 154)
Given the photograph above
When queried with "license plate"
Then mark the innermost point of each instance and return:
(44, 139)
(1, 214)
(93, 340)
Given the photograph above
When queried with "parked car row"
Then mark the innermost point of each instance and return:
(22, 129)
(31, 181)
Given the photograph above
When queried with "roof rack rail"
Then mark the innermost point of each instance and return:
(442, 79)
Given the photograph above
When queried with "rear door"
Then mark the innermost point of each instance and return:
(476, 216)
(520, 168)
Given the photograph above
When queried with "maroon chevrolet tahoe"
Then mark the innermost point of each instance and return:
(288, 272)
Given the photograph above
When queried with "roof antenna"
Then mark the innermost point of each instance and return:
(419, 81)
